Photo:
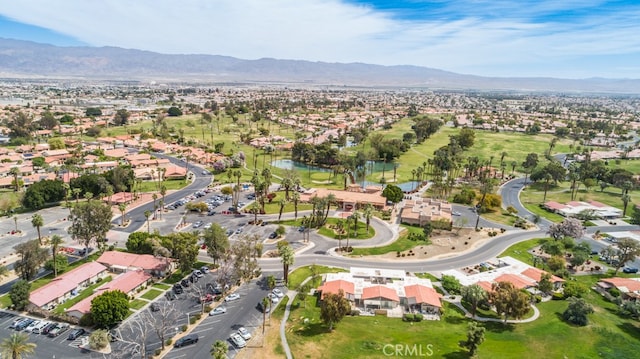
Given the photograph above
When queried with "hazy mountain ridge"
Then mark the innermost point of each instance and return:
(23, 58)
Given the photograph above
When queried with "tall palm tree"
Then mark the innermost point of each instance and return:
(265, 302)
(147, 214)
(37, 222)
(296, 198)
(155, 197)
(55, 241)
(282, 202)
(330, 199)
(287, 256)
(123, 209)
(17, 346)
(367, 213)
(219, 350)
(163, 192)
(14, 171)
(474, 294)
(340, 228)
(625, 201)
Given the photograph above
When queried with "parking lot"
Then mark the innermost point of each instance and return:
(48, 347)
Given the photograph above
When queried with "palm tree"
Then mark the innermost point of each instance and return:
(340, 228)
(123, 208)
(265, 302)
(287, 256)
(37, 221)
(14, 171)
(155, 197)
(330, 199)
(219, 350)
(147, 214)
(163, 192)
(296, 197)
(367, 213)
(282, 202)
(625, 201)
(55, 242)
(17, 346)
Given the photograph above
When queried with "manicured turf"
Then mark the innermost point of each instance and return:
(152, 186)
(137, 304)
(300, 274)
(274, 207)
(519, 250)
(82, 295)
(161, 286)
(151, 294)
(401, 244)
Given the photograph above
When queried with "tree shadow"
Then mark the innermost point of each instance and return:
(461, 354)
(630, 329)
(455, 320)
(499, 327)
(313, 329)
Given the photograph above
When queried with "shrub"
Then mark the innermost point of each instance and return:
(184, 327)
(417, 317)
(557, 296)
(354, 313)
(169, 341)
(615, 292)
(86, 320)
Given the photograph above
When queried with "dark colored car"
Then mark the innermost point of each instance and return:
(630, 270)
(23, 324)
(177, 289)
(48, 328)
(75, 334)
(185, 283)
(273, 235)
(186, 340)
(154, 307)
(59, 329)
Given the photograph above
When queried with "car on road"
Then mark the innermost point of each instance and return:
(244, 333)
(232, 297)
(630, 270)
(277, 292)
(186, 340)
(205, 173)
(238, 341)
(75, 334)
(218, 310)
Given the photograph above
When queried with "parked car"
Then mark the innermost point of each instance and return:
(204, 269)
(198, 224)
(177, 288)
(154, 307)
(273, 235)
(23, 324)
(186, 340)
(198, 273)
(273, 297)
(218, 310)
(75, 334)
(59, 329)
(277, 292)
(46, 330)
(17, 322)
(170, 295)
(238, 341)
(232, 297)
(244, 333)
(206, 298)
(266, 309)
(38, 328)
(630, 270)
(185, 283)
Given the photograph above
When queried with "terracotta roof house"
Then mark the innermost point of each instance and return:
(536, 274)
(424, 210)
(519, 282)
(119, 262)
(380, 297)
(425, 298)
(348, 200)
(628, 287)
(66, 285)
(335, 286)
(127, 283)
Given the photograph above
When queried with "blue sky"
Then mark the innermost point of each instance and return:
(559, 38)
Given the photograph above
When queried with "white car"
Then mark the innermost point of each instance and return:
(218, 310)
(238, 341)
(273, 297)
(232, 297)
(198, 274)
(32, 326)
(277, 292)
(244, 333)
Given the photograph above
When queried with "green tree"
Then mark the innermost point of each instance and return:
(90, 222)
(367, 213)
(577, 311)
(15, 172)
(556, 263)
(545, 285)
(628, 250)
(393, 193)
(474, 295)
(575, 289)
(183, 247)
(121, 117)
(475, 337)
(19, 294)
(147, 214)
(57, 264)
(109, 308)
(451, 284)
(55, 243)
(37, 222)
(266, 302)
(529, 164)
(333, 308)
(509, 301)
(17, 346)
(98, 339)
(219, 350)
(32, 256)
(217, 242)
(287, 256)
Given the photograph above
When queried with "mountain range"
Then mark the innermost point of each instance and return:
(24, 59)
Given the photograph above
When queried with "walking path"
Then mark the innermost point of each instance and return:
(291, 295)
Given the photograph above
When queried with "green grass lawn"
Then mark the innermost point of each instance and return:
(175, 277)
(151, 186)
(274, 207)
(300, 274)
(519, 250)
(82, 295)
(151, 294)
(361, 232)
(137, 304)
(401, 244)
(161, 286)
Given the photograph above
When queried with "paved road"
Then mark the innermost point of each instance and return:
(136, 215)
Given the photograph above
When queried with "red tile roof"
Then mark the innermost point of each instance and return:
(65, 283)
(536, 274)
(335, 286)
(517, 281)
(379, 291)
(423, 295)
(130, 260)
(631, 284)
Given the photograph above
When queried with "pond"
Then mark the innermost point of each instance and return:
(372, 166)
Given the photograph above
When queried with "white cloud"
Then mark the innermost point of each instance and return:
(335, 31)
